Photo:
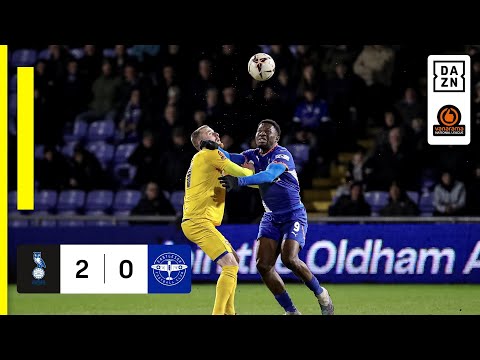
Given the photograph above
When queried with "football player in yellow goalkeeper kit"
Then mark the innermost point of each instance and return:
(203, 209)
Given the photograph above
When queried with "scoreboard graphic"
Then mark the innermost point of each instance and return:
(104, 269)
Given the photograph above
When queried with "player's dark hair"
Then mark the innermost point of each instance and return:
(273, 123)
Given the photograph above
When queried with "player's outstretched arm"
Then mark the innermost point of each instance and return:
(273, 171)
(233, 169)
(218, 160)
(238, 159)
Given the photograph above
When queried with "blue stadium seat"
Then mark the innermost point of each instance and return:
(176, 199)
(12, 84)
(109, 53)
(45, 200)
(123, 152)
(426, 204)
(103, 151)
(68, 148)
(71, 200)
(12, 105)
(69, 222)
(24, 57)
(101, 130)
(414, 196)
(376, 200)
(43, 55)
(76, 131)
(77, 53)
(39, 152)
(12, 200)
(124, 174)
(125, 200)
(99, 200)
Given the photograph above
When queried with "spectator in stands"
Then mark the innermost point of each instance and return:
(229, 144)
(52, 170)
(86, 172)
(344, 91)
(199, 118)
(163, 129)
(153, 202)
(336, 54)
(212, 106)
(313, 116)
(399, 204)
(309, 80)
(202, 81)
(449, 196)
(131, 118)
(231, 114)
(390, 120)
(90, 64)
(229, 64)
(304, 55)
(375, 65)
(105, 96)
(175, 162)
(121, 59)
(75, 92)
(311, 112)
(273, 107)
(286, 90)
(353, 204)
(145, 158)
(356, 170)
(131, 80)
(57, 58)
(393, 162)
(282, 56)
(409, 107)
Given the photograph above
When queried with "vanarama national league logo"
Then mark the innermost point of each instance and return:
(449, 117)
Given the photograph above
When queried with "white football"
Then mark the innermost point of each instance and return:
(261, 66)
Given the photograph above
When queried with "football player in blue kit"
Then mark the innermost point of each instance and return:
(284, 224)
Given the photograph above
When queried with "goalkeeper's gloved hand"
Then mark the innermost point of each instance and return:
(229, 182)
(208, 144)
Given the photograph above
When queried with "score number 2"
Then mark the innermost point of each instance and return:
(124, 275)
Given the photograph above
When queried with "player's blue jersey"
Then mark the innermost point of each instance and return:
(283, 195)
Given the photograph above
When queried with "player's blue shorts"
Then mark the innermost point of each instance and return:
(292, 225)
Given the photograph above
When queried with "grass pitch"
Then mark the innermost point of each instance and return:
(255, 299)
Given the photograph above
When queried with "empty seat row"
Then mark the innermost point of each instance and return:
(104, 152)
(378, 199)
(100, 130)
(96, 200)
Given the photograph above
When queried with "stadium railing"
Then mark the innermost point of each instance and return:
(116, 219)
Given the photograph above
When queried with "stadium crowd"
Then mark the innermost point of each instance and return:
(119, 118)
